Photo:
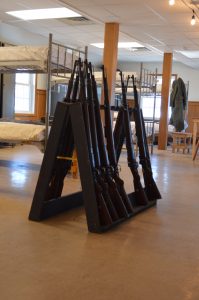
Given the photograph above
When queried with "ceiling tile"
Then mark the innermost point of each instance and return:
(152, 23)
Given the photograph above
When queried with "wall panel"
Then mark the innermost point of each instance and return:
(193, 112)
(40, 107)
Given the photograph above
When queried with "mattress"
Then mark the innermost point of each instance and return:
(19, 132)
(148, 127)
(23, 57)
(35, 58)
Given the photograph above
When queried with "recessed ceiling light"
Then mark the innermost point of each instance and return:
(121, 45)
(46, 13)
(98, 45)
(171, 2)
(190, 54)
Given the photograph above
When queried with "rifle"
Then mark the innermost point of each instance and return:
(140, 196)
(150, 185)
(93, 143)
(71, 82)
(127, 82)
(111, 147)
(105, 165)
(104, 211)
(118, 133)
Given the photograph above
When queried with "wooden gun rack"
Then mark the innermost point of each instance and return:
(69, 120)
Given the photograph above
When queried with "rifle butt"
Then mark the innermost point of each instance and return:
(140, 196)
(151, 188)
(55, 189)
(109, 203)
(104, 215)
(124, 196)
(57, 182)
(117, 200)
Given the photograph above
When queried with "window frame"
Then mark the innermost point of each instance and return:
(33, 100)
(158, 94)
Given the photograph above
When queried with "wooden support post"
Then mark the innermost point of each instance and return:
(166, 77)
(110, 57)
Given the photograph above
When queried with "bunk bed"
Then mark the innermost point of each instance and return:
(147, 86)
(12, 133)
(152, 129)
(146, 82)
(54, 60)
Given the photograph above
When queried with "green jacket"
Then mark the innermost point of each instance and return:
(178, 102)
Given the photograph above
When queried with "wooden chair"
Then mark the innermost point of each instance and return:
(195, 136)
(181, 140)
(196, 150)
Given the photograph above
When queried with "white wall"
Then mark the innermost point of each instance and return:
(18, 36)
(41, 81)
(183, 71)
(8, 96)
(191, 75)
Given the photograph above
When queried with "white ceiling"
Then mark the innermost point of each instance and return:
(158, 26)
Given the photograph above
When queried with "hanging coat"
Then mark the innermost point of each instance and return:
(178, 103)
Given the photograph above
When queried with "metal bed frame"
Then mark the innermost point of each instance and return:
(51, 68)
(147, 85)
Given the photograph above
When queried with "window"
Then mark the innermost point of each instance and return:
(24, 93)
(147, 106)
(148, 101)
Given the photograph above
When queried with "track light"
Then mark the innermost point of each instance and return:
(171, 2)
(189, 6)
(193, 19)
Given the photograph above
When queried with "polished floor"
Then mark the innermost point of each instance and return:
(154, 256)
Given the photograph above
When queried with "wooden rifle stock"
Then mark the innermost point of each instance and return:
(111, 146)
(71, 82)
(150, 185)
(118, 133)
(104, 210)
(94, 145)
(105, 165)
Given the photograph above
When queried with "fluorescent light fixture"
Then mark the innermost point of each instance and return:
(171, 2)
(190, 54)
(46, 13)
(130, 45)
(121, 45)
(98, 45)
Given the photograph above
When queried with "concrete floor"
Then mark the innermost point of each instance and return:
(154, 256)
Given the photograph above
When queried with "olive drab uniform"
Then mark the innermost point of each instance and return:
(178, 103)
